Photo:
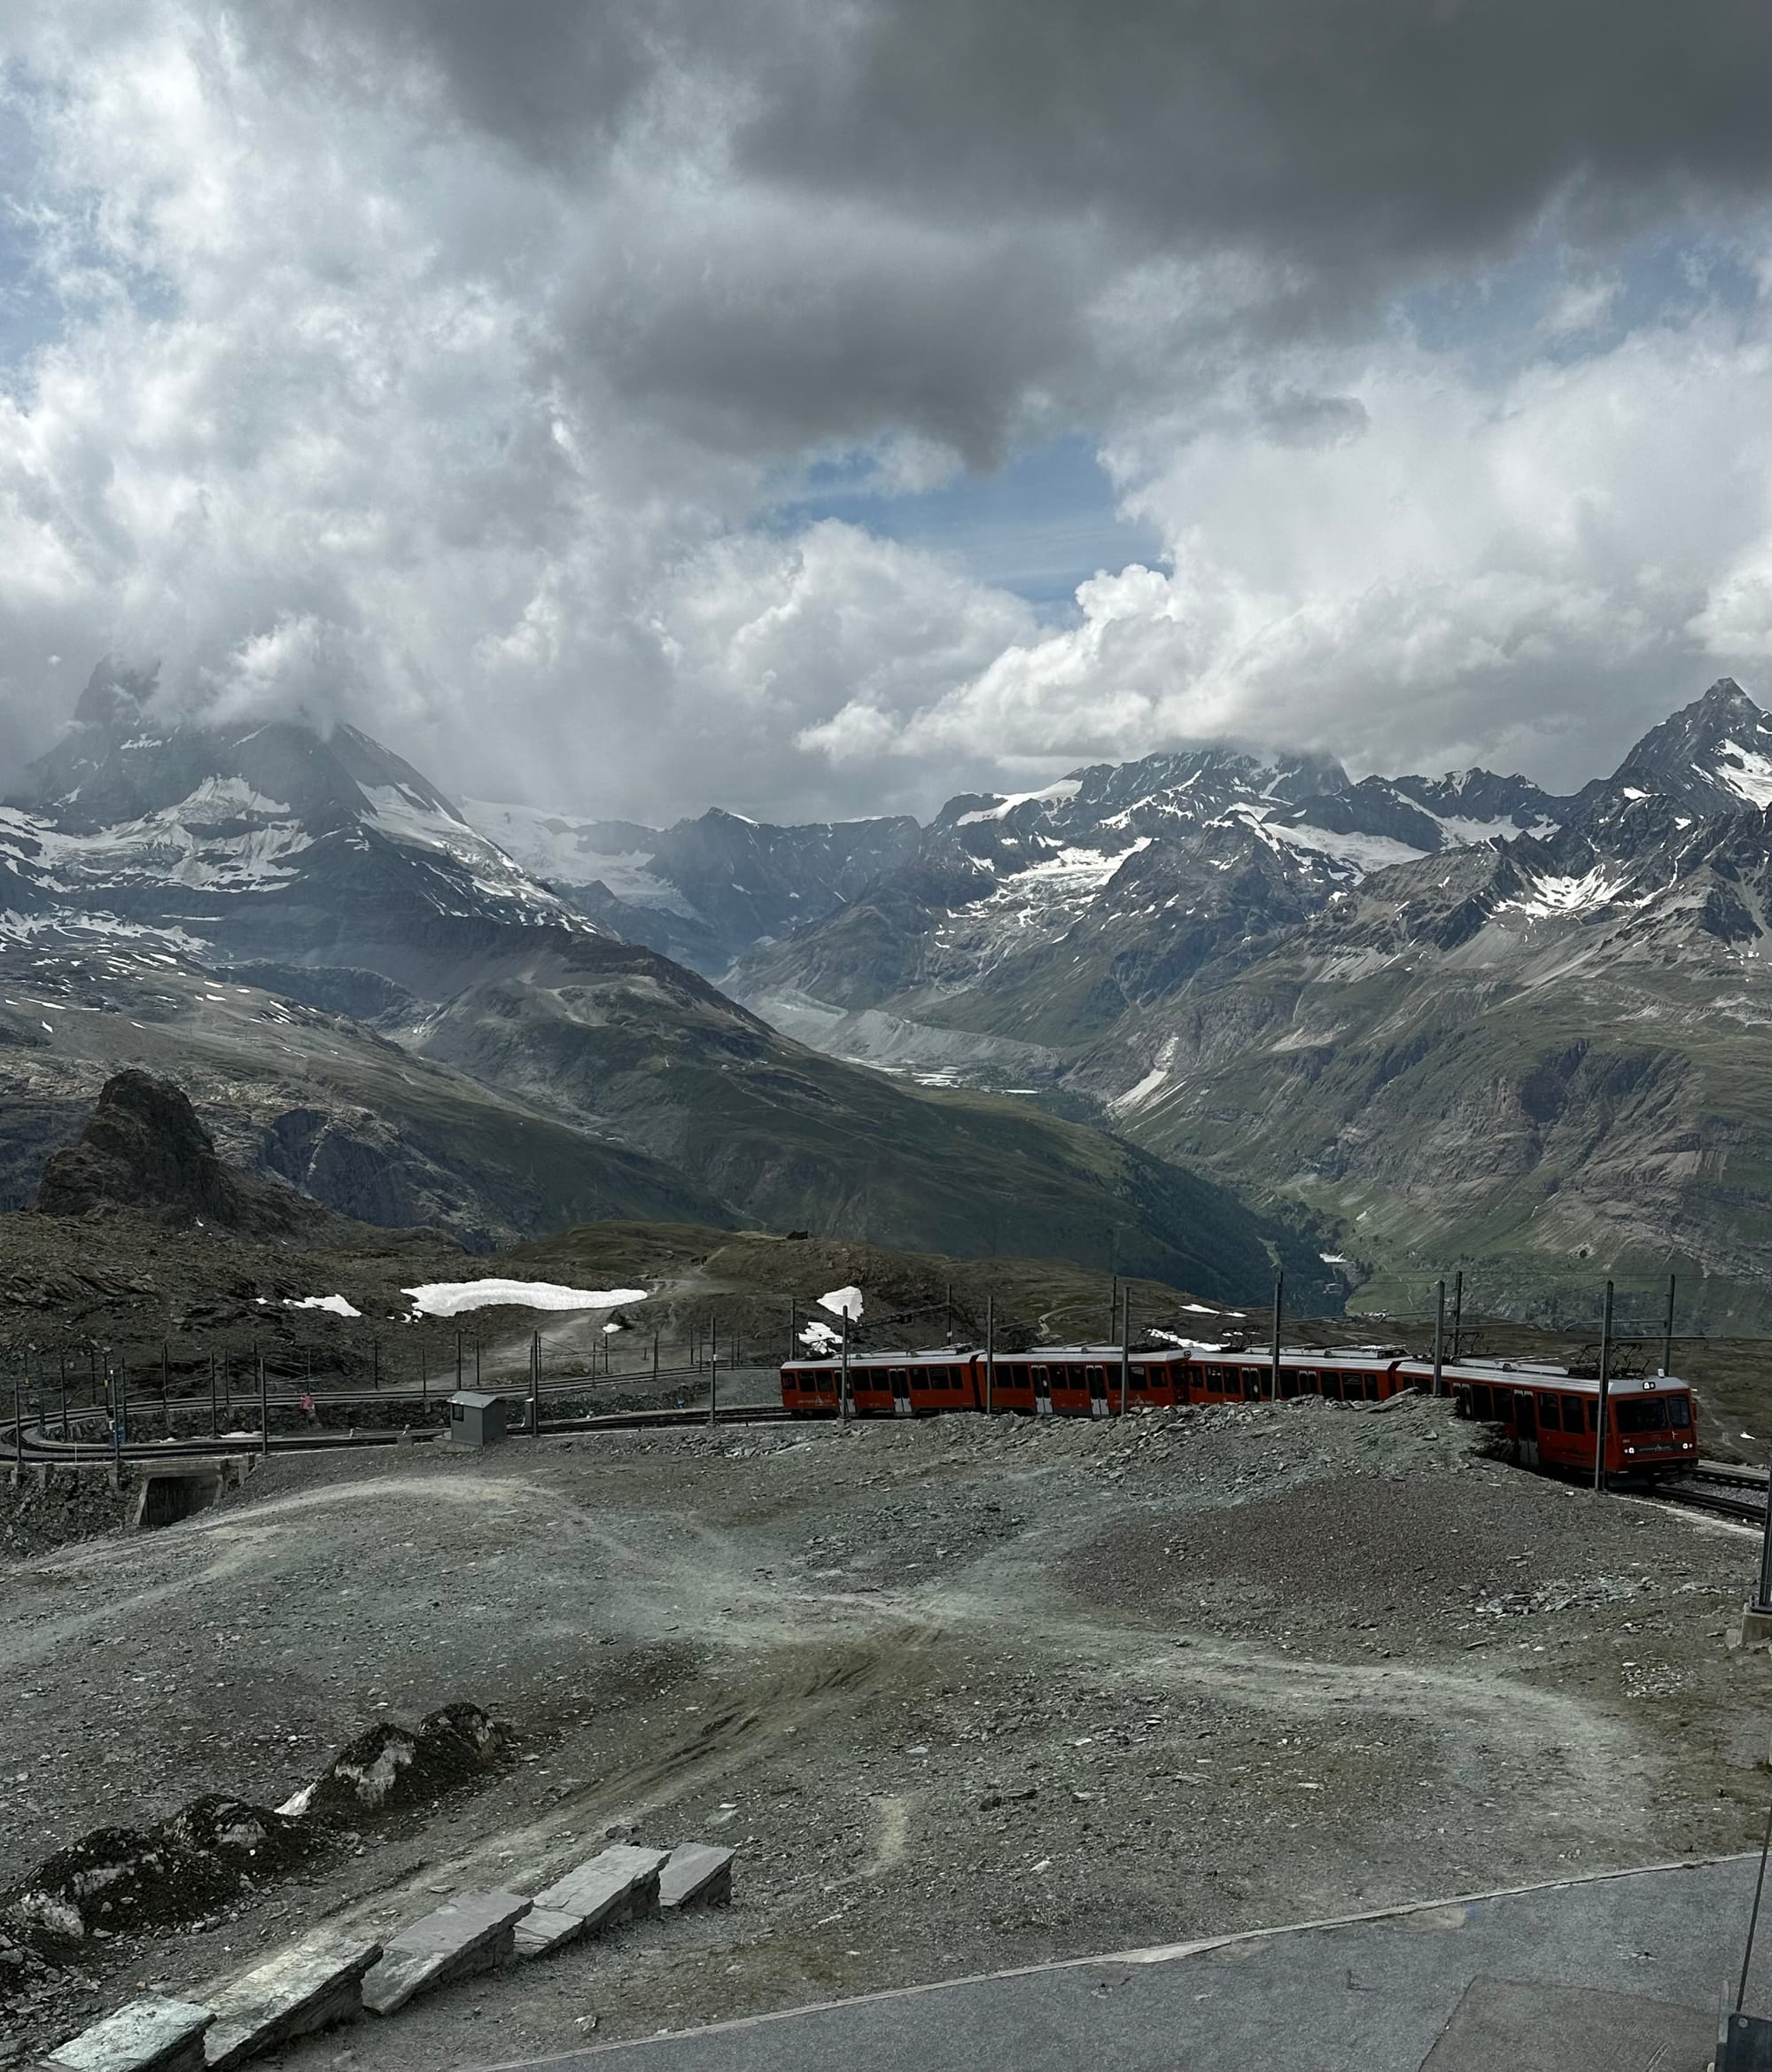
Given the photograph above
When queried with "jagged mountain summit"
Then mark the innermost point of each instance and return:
(271, 839)
(704, 890)
(711, 890)
(373, 1002)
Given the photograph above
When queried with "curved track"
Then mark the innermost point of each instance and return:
(30, 1443)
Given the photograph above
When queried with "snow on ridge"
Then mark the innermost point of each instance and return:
(843, 1302)
(1749, 775)
(1551, 896)
(450, 1298)
(335, 1303)
(1141, 1096)
(1052, 795)
(1363, 853)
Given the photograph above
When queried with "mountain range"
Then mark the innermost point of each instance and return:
(1195, 1012)
(370, 998)
(1470, 1023)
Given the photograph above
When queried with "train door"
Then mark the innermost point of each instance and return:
(1097, 1378)
(1042, 1391)
(1526, 1426)
(900, 1378)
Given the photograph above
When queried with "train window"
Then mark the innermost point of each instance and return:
(1643, 1413)
(1550, 1417)
(1042, 1379)
(1288, 1382)
(1309, 1381)
(1593, 1405)
(1215, 1378)
(1096, 1379)
(1679, 1412)
(1140, 1380)
(1372, 1387)
(1571, 1414)
(1480, 1400)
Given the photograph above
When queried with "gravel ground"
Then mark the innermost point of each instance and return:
(965, 1694)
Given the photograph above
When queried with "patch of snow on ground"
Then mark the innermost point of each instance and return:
(336, 1304)
(818, 1338)
(450, 1298)
(843, 1302)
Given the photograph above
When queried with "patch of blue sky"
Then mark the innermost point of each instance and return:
(1550, 303)
(40, 256)
(1040, 525)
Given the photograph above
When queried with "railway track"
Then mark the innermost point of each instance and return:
(1725, 1492)
(31, 1444)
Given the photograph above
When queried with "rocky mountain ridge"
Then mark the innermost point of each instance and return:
(1536, 1049)
(371, 1001)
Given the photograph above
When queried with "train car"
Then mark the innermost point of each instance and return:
(1551, 1417)
(885, 1384)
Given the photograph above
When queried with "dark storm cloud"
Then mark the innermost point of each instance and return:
(907, 215)
(1320, 128)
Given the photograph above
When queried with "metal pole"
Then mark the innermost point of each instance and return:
(990, 1355)
(375, 1362)
(64, 1388)
(1126, 1348)
(1440, 1343)
(842, 1384)
(423, 1378)
(1458, 1312)
(112, 1381)
(713, 1388)
(655, 1356)
(214, 1423)
(535, 1384)
(17, 1428)
(1754, 1916)
(264, 1408)
(948, 1297)
(458, 1363)
(166, 1414)
(1279, 1295)
(1113, 1310)
(1667, 1334)
(477, 1363)
(1605, 1390)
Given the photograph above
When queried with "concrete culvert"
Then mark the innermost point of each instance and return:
(167, 1496)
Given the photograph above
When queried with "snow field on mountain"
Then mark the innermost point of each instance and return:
(451, 1298)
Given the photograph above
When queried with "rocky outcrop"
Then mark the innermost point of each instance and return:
(144, 1149)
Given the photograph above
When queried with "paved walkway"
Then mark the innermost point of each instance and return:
(1619, 1973)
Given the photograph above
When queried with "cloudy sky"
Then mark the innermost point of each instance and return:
(822, 406)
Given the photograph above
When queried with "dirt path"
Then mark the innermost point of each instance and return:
(965, 1693)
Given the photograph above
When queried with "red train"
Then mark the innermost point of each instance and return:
(1551, 1416)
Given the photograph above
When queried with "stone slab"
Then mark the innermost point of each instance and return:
(151, 2035)
(309, 1986)
(619, 1881)
(1514, 2025)
(543, 1930)
(473, 1932)
(697, 1874)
